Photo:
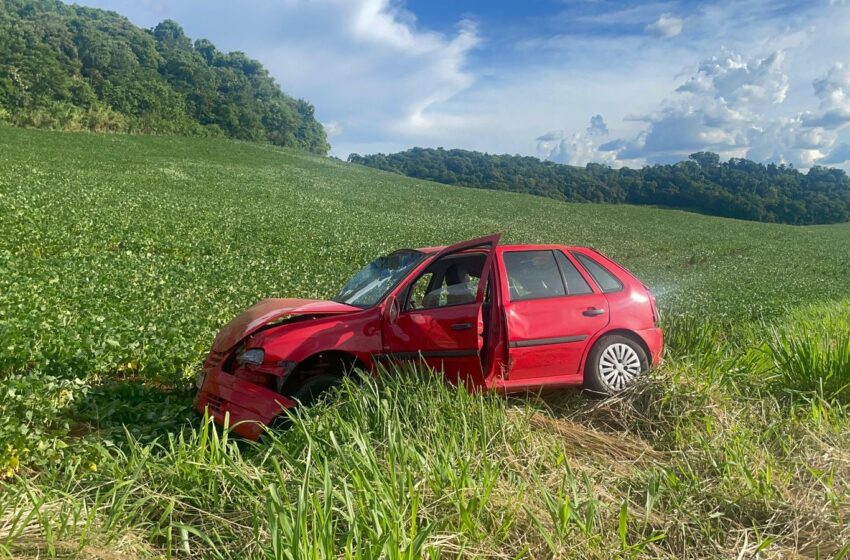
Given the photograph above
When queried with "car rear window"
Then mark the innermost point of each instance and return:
(607, 281)
(533, 275)
(576, 284)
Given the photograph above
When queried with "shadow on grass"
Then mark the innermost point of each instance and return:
(147, 410)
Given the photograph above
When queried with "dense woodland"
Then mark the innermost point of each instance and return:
(75, 68)
(737, 188)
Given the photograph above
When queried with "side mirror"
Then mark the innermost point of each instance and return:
(392, 309)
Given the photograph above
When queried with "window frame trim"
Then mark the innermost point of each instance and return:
(585, 275)
(550, 251)
(595, 290)
(578, 256)
(405, 309)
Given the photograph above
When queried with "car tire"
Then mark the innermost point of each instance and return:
(314, 387)
(614, 364)
(307, 395)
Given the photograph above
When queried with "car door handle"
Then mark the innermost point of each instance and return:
(461, 326)
(593, 312)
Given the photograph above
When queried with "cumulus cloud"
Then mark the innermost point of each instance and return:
(665, 26)
(597, 126)
(786, 140)
(715, 109)
(738, 81)
(578, 148)
(834, 92)
(390, 74)
(725, 107)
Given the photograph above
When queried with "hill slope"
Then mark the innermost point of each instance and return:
(71, 67)
(737, 188)
(120, 257)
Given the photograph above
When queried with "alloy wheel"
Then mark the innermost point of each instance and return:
(619, 365)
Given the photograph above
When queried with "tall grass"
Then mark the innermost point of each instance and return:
(405, 466)
(811, 355)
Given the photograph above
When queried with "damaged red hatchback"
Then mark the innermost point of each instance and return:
(503, 317)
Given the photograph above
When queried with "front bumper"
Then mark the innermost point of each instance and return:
(248, 406)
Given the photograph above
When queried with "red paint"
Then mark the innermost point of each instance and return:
(271, 310)
(487, 341)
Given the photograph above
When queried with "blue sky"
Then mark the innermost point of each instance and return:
(617, 82)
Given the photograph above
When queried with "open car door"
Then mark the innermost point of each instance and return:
(437, 314)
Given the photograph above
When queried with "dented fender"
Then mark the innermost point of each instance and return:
(358, 334)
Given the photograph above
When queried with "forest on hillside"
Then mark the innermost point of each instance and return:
(75, 68)
(737, 188)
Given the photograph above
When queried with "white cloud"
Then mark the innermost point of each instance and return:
(665, 26)
(372, 65)
(834, 92)
(738, 81)
(723, 107)
(332, 128)
(578, 148)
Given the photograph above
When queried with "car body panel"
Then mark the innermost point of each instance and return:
(357, 333)
(548, 337)
(268, 311)
(492, 342)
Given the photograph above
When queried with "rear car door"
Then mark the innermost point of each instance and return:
(440, 318)
(552, 311)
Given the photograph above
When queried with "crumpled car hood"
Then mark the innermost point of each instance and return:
(270, 310)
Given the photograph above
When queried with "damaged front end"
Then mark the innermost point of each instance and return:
(242, 381)
(246, 396)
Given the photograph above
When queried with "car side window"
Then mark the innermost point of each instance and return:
(419, 290)
(533, 275)
(576, 284)
(452, 280)
(606, 280)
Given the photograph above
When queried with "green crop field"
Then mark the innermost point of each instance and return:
(121, 256)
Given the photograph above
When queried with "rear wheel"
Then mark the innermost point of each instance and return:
(614, 363)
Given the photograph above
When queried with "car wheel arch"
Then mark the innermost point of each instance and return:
(337, 362)
(631, 335)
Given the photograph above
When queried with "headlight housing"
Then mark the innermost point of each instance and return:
(252, 357)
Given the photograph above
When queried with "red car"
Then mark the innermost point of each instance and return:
(504, 317)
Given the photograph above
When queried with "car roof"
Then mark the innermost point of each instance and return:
(514, 247)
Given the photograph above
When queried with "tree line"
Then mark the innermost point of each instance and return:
(76, 68)
(737, 188)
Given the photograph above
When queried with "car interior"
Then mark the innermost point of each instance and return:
(452, 280)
